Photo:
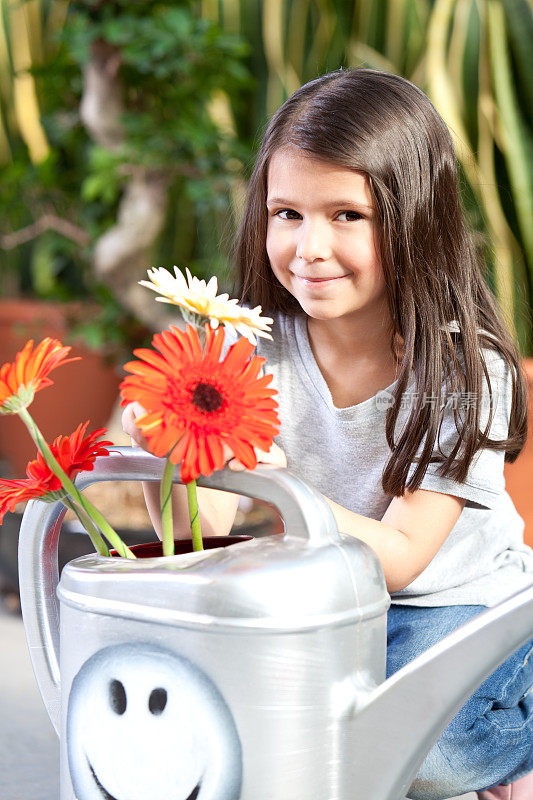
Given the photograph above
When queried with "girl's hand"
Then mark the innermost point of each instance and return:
(275, 457)
(129, 416)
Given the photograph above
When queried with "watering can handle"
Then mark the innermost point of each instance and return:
(306, 515)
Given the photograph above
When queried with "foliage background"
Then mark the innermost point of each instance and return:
(149, 161)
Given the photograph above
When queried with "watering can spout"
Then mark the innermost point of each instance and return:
(409, 710)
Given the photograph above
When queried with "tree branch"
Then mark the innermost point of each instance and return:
(44, 223)
(122, 254)
(101, 103)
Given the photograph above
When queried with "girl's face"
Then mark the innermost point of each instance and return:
(321, 239)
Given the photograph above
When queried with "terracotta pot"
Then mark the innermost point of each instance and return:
(519, 476)
(83, 390)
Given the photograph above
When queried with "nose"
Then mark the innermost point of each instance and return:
(313, 242)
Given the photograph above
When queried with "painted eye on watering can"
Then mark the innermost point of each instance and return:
(157, 701)
(117, 697)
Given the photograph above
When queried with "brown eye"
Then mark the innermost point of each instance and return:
(352, 216)
(287, 211)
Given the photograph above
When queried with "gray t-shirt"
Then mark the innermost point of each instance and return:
(342, 452)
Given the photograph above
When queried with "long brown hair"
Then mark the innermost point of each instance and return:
(384, 126)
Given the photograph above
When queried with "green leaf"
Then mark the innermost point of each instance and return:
(517, 148)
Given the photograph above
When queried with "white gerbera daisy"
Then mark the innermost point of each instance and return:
(198, 299)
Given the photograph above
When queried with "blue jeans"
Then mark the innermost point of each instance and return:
(490, 740)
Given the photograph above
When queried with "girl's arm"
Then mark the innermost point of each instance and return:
(411, 532)
(217, 509)
(409, 535)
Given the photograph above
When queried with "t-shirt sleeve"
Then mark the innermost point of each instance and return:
(485, 481)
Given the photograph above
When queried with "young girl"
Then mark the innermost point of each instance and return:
(400, 388)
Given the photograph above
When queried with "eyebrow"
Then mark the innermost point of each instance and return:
(332, 204)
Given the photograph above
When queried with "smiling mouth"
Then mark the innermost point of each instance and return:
(320, 280)
(107, 796)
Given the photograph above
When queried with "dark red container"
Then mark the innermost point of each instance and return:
(155, 549)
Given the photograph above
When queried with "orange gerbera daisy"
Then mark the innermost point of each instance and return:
(29, 372)
(74, 453)
(196, 403)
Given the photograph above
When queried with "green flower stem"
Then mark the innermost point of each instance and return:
(98, 543)
(197, 543)
(91, 510)
(166, 509)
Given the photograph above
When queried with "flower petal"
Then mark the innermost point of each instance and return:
(186, 430)
(28, 373)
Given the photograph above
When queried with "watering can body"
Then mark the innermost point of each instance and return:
(252, 672)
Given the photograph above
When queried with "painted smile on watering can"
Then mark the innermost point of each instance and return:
(107, 796)
(118, 702)
(136, 705)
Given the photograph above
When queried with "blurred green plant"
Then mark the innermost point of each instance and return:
(148, 125)
(171, 62)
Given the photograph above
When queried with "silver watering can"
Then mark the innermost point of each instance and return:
(249, 672)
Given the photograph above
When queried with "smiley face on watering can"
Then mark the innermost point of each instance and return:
(146, 724)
